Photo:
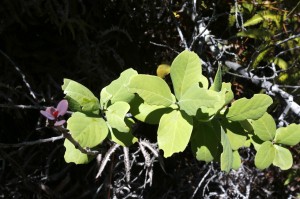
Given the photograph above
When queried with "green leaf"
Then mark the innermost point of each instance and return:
(283, 158)
(226, 88)
(235, 133)
(205, 142)
(118, 88)
(80, 97)
(152, 89)
(265, 155)
(105, 96)
(217, 85)
(150, 114)
(115, 115)
(236, 164)
(74, 155)
(186, 71)
(264, 127)
(123, 139)
(253, 108)
(289, 135)
(174, 132)
(199, 98)
(255, 34)
(262, 16)
(87, 131)
(226, 155)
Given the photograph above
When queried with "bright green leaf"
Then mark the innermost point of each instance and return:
(174, 132)
(152, 89)
(186, 71)
(253, 108)
(265, 155)
(115, 115)
(118, 88)
(205, 142)
(87, 131)
(80, 97)
(283, 158)
(226, 88)
(123, 139)
(264, 127)
(255, 34)
(150, 114)
(262, 16)
(74, 155)
(289, 135)
(105, 96)
(236, 164)
(235, 133)
(217, 85)
(226, 155)
(199, 98)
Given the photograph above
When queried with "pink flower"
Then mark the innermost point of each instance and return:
(55, 113)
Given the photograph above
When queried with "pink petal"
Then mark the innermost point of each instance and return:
(59, 123)
(62, 107)
(47, 114)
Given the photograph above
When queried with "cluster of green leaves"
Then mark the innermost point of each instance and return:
(267, 24)
(197, 113)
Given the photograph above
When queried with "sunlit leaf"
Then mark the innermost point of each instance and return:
(199, 98)
(174, 132)
(236, 164)
(263, 16)
(289, 135)
(80, 97)
(118, 88)
(115, 115)
(235, 133)
(150, 114)
(283, 158)
(153, 90)
(226, 155)
(264, 127)
(87, 131)
(226, 88)
(253, 108)
(186, 71)
(265, 155)
(74, 155)
(217, 85)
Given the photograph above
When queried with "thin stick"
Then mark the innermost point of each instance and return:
(20, 72)
(200, 183)
(40, 141)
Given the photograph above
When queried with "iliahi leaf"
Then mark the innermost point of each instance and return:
(236, 164)
(118, 88)
(74, 155)
(174, 132)
(163, 70)
(87, 131)
(264, 127)
(199, 98)
(152, 89)
(265, 155)
(226, 88)
(186, 71)
(144, 112)
(226, 155)
(235, 133)
(253, 108)
(289, 135)
(283, 158)
(217, 85)
(115, 115)
(79, 97)
(121, 138)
